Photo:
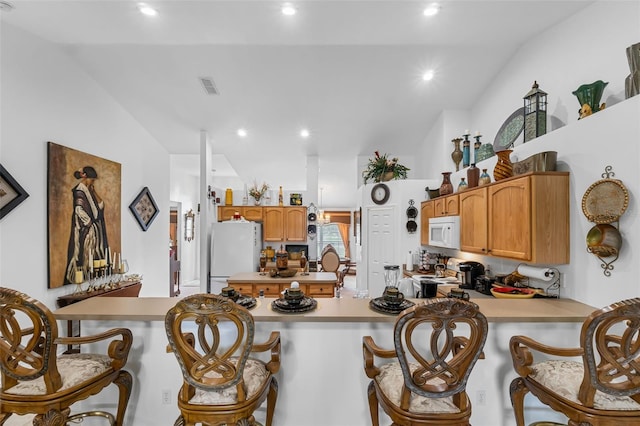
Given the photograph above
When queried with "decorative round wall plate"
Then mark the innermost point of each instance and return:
(510, 130)
(412, 211)
(605, 201)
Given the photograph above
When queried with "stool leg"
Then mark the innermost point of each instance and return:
(518, 389)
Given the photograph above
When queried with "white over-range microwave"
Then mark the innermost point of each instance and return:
(444, 232)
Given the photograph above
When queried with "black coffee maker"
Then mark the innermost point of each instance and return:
(470, 271)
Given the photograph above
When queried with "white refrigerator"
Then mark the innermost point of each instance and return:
(235, 248)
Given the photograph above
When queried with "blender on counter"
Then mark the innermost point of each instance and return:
(391, 276)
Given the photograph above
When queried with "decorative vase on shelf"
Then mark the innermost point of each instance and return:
(446, 187)
(484, 178)
(503, 168)
(466, 151)
(589, 96)
(473, 176)
(456, 155)
(462, 185)
(257, 201)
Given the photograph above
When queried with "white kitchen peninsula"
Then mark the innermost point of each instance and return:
(322, 381)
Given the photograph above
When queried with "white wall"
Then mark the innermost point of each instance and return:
(46, 97)
(184, 190)
(562, 59)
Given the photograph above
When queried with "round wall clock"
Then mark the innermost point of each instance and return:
(380, 193)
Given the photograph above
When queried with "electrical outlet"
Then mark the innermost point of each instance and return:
(481, 397)
(166, 397)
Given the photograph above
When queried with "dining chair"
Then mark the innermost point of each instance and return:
(212, 339)
(37, 380)
(597, 383)
(423, 380)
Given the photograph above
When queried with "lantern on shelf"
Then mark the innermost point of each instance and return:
(535, 113)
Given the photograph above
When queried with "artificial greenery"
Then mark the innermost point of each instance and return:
(379, 165)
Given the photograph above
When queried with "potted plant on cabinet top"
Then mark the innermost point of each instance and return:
(382, 169)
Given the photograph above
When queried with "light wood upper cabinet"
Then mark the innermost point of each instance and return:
(226, 212)
(273, 229)
(295, 221)
(473, 220)
(285, 224)
(426, 212)
(446, 206)
(524, 218)
(252, 213)
(510, 219)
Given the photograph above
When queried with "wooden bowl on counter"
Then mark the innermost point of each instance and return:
(512, 293)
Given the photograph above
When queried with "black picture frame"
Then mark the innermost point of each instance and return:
(144, 208)
(11, 189)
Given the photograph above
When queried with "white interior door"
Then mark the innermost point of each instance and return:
(381, 247)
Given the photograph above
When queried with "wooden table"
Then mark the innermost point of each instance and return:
(315, 284)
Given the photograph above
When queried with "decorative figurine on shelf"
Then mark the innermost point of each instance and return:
(589, 96)
(456, 155)
(535, 113)
(280, 197)
(466, 149)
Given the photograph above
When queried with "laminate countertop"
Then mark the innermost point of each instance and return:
(328, 310)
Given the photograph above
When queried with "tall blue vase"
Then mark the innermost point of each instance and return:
(466, 152)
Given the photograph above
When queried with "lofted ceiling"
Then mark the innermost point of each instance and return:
(349, 71)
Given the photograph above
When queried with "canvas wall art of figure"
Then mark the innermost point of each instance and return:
(84, 214)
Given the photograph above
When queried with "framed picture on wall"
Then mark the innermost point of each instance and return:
(144, 208)
(84, 212)
(11, 193)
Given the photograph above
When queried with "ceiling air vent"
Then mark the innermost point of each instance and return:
(209, 86)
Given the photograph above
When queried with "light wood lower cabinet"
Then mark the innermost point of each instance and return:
(275, 290)
(524, 218)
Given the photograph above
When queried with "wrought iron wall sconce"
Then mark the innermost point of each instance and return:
(412, 214)
(603, 203)
(189, 225)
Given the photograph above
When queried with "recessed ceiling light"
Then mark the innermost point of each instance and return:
(432, 9)
(428, 75)
(304, 133)
(145, 9)
(242, 133)
(288, 10)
